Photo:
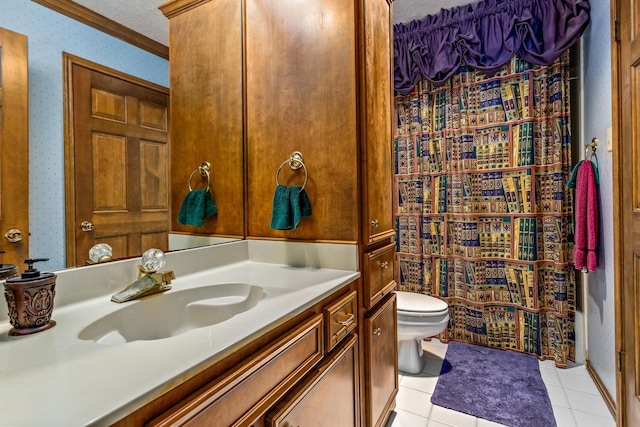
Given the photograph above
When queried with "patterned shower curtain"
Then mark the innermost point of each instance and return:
(484, 216)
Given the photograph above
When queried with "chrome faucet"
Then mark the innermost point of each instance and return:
(148, 282)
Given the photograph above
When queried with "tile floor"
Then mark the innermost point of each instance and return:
(575, 399)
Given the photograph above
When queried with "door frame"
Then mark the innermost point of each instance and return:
(618, 234)
(14, 145)
(68, 61)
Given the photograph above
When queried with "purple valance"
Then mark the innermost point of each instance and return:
(485, 35)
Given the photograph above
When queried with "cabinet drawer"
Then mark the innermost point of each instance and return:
(340, 319)
(327, 397)
(249, 390)
(379, 272)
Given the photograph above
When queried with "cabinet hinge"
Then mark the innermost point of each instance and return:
(616, 30)
(620, 361)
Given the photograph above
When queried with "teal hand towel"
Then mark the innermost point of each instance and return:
(196, 206)
(300, 204)
(289, 206)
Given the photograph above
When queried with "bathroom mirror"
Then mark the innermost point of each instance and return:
(119, 163)
(46, 189)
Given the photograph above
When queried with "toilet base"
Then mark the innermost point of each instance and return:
(410, 356)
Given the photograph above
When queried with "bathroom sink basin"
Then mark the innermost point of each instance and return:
(172, 313)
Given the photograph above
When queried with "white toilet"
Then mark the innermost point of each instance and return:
(419, 316)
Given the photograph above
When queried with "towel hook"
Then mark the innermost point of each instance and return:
(295, 162)
(593, 144)
(205, 171)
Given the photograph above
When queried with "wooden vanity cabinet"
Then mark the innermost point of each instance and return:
(328, 397)
(246, 385)
(381, 357)
(245, 393)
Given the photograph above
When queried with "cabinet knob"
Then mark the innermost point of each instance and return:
(384, 264)
(377, 332)
(375, 223)
(86, 226)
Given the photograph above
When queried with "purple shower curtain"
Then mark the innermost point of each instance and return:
(485, 36)
(484, 218)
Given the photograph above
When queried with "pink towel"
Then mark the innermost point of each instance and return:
(586, 237)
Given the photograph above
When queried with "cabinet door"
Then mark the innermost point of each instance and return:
(376, 123)
(301, 96)
(327, 398)
(381, 361)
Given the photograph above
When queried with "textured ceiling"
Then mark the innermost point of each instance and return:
(144, 16)
(408, 10)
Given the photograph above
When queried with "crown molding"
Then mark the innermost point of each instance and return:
(172, 8)
(87, 16)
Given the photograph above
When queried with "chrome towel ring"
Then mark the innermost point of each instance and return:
(295, 162)
(205, 171)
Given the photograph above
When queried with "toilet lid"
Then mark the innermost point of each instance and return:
(419, 303)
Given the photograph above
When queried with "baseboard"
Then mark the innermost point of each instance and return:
(610, 401)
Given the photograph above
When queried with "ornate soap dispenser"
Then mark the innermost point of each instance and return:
(30, 300)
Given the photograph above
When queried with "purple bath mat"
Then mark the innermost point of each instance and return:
(497, 385)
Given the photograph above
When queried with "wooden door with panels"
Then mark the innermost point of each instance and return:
(626, 155)
(116, 160)
(14, 148)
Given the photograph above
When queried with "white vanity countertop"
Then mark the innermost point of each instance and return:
(53, 378)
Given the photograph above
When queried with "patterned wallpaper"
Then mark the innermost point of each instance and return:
(599, 286)
(50, 34)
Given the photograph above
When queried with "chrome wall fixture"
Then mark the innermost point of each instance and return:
(593, 145)
(295, 162)
(205, 171)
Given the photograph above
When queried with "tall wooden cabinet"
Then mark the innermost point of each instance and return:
(376, 77)
(315, 77)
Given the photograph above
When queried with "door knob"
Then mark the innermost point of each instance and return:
(14, 235)
(86, 226)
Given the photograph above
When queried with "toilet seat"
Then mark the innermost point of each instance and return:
(411, 304)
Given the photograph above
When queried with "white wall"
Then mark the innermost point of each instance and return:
(599, 286)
